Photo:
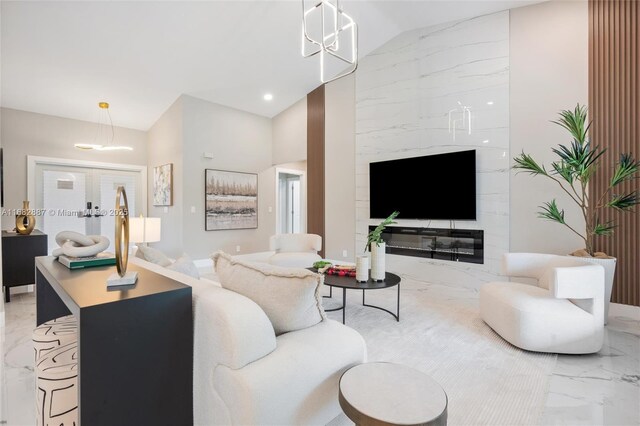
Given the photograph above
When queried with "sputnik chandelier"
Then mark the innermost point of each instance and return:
(329, 31)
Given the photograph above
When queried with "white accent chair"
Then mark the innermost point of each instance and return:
(563, 313)
(295, 250)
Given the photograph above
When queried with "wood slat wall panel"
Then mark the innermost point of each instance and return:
(614, 102)
(315, 164)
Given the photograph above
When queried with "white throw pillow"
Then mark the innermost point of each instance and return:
(290, 297)
(186, 266)
(154, 256)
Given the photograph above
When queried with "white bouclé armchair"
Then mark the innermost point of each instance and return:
(295, 250)
(563, 313)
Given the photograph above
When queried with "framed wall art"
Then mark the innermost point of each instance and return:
(231, 200)
(163, 185)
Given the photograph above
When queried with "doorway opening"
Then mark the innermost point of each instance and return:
(289, 201)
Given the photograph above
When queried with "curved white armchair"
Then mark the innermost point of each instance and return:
(563, 313)
(295, 250)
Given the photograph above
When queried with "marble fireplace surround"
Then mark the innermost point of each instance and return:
(405, 91)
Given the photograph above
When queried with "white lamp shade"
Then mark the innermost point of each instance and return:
(144, 229)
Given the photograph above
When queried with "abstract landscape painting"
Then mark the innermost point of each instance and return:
(231, 200)
(163, 185)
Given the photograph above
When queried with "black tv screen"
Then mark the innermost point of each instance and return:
(439, 186)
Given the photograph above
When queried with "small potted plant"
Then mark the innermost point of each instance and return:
(378, 247)
(572, 171)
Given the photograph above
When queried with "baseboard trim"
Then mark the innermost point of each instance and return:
(618, 309)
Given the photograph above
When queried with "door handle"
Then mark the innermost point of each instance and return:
(97, 209)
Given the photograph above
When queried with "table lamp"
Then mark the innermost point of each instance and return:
(144, 229)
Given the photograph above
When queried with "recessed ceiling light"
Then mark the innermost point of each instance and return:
(490, 103)
(485, 141)
(268, 97)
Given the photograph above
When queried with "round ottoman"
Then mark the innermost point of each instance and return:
(385, 394)
(52, 334)
(57, 386)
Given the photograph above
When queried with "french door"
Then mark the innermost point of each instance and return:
(82, 199)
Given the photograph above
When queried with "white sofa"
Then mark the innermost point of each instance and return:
(245, 375)
(295, 250)
(562, 313)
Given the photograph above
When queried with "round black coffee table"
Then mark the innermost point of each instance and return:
(345, 283)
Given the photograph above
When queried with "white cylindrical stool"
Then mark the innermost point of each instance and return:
(55, 333)
(57, 386)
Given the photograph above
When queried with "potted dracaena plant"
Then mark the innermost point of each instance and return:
(378, 247)
(572, 171)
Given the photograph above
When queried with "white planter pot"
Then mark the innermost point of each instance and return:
(377, 261)
(609, 272)
(362, 268)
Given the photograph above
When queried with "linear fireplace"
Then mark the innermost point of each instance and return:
(457, 245)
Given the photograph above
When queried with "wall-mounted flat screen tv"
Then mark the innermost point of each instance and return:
(441, 186)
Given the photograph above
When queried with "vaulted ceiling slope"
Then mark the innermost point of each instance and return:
(60, 58)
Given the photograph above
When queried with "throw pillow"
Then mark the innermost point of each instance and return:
(154, 256)
(290, 297)
(186, 266)
(139, 254)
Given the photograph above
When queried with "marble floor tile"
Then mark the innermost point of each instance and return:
(599, 389)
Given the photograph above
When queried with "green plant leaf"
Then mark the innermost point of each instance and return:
(580, 158)
(563, 169)
(526, 163)
(625, 170)
(574, 121)
(551, 211)
(603, 228)
(375, 236)
(624, 202)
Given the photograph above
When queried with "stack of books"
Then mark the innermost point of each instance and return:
(102, 259)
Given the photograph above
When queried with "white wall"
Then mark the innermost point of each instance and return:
(165, 143)
(27, 133)
(549, 73)
(404, 91)
(340, 184)
(290, 134)
(240, 142)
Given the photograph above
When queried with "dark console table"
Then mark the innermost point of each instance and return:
(18, 258)
(135, 343)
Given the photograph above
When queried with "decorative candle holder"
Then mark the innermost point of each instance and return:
(362, 269)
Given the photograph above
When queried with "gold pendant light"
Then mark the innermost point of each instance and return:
(105, 132)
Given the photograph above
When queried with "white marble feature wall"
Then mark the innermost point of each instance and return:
(404, 93)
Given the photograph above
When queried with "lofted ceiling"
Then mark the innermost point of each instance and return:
(61, 58)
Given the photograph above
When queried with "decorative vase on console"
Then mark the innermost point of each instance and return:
(26, 221)
(378, 247)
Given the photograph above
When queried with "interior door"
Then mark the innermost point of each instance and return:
(82, 199)
(289, 204)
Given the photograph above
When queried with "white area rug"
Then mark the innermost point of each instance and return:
(488, 381)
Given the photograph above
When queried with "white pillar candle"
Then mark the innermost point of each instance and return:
(362, 268)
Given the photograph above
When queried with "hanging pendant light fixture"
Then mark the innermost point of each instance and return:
(105, 132)
(329, 31)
